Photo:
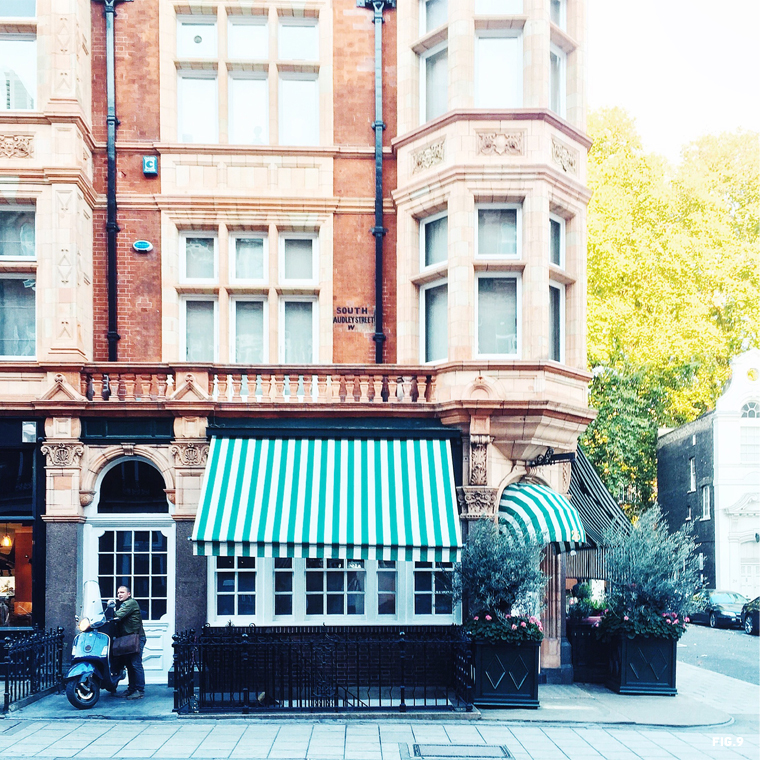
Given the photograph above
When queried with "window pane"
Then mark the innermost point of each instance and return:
(199, 329)
(17, 233)
(557, 83)
(18, 73)
(436, 323)
(249, 258)
(298, 42)
(436, 241)
(225, 563)
(497, 232)
(225, 582)
(17, 317)
(299, 112)
(314, 581)
(283, 582)
(436, 13)
(298, 259)
(247, 582)
(555, 12)
(498, 7)
(249, 111)
(386, 582)
(555, 233)
(423, 604)
(142, 564)
(158, 541)
(18, 8)
(502, 54)
(249, 332)
(105, 564)
(315, 604)
(225, 604)
(141, 587)
(196, 39)
(497, 315)
(555, 317)
(157, 609)
(199, 258)
(105, 542)
(197, 118)
(246, 604)
(283, 605)
(355, 604)
(436, 84)
(298, 342)
(386, 604)
(247, 41)
(159, 586)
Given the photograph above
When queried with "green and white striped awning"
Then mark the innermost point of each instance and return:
(346, 498)
(532, 512)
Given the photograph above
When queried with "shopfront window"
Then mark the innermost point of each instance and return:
(15, 574)
(335, 587)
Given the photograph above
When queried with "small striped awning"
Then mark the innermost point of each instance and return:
(339, 498)
(532, 512)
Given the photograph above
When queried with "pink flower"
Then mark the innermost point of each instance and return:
(625, 617)
(523, 624)
(664, 614)
(475, 617)
(488, 617)
(669, 622)
(514, 627)
(540, 627)
(606, 611)
(596, 625)
(686, 620)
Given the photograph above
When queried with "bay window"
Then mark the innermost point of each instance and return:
(558, 81)
(18, 68)
(434, 240)
(248, 257)
(248, 323)
(17, 316)
(498, 69)
(557, 240)
(497, 311)
(17, 232)
(434, 82)
(433, 13)
(200, 329)
(298, 330)
(298, 259)
(558, 13)
(198, 262)
(435, 331)
(556, 322)
(499, 231)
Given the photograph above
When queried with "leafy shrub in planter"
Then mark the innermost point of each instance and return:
(509, 628)
(653, 576)
(583, 606)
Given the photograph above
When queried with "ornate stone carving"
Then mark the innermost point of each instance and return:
(86, 497)
(479, 459)
(566, 157)
(128, 449)
(565, 474)
(190, 454)
(477, 502)
(429, 156)
(16, 146)
(501, 143)
(63, 454)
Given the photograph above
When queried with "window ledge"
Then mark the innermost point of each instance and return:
(558, 274)
(293, 67)
(431, 274)
(198, 290)
(9, 267)
(498, 265)
(562, 40)
(258, 67)
(488, 23)
(235, 289)
(15, 25)
(431, 39)
(297, 290)
(189, 64)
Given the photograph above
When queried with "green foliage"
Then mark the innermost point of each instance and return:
(583, 605)
(653, 576)
(496, 576)
(509, 628)
(673, 277)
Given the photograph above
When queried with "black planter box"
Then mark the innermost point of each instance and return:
(642, 665)
(505, 675)
(591, 657)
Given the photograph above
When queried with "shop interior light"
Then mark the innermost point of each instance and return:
(6, 541)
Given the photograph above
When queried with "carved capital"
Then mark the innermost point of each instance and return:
(171, 495)
(16, 146)
(479, 459)
(190, 454)
(501, 143)
(477, 502)
(86, 497)
(63, 454)
(566, 157)
(429, 156)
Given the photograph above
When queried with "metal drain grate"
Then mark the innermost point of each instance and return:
(446, 751)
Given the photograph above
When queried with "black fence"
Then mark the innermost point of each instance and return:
(329, 668)
(31, 663)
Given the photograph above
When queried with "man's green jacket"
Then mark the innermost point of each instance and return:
(130, 619)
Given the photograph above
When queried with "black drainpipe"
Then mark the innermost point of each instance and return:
(378, 6)
(112, 228)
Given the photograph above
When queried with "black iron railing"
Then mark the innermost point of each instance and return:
(334, 668)
(31, 663)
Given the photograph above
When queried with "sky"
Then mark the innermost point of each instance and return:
(681, 68)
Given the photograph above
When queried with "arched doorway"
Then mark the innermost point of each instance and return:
(129, 539)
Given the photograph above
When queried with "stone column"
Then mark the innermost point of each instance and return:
(477, 500)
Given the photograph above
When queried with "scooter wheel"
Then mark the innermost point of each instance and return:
(83, 694)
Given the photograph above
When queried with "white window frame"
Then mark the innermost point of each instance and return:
(423, 323)
(237, 76)
(234, 300)
(234, 279)
(562, 56)
(562, 294)
(197, 20)
(281, 116)
(183, 278)
(314, 300)
(692, 474)
(749, 434)
(423, 224)
(25, 37)
(299, 283)
(562, 15)
(248, 21)
(265, 599)
(562, 240)
(423, 18)
(705, 502)
(519, 75)
(195, 74)
(492, 257)
(518, 292)
(294, 21)
(423, 80)
(184, 300)
(21, 207)
(26, 276)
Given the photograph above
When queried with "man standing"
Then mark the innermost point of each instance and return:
(130, 621)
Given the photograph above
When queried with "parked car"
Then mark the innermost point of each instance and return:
(718, 608)
(751, 617)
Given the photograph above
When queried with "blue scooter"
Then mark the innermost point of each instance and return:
(92, 666)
